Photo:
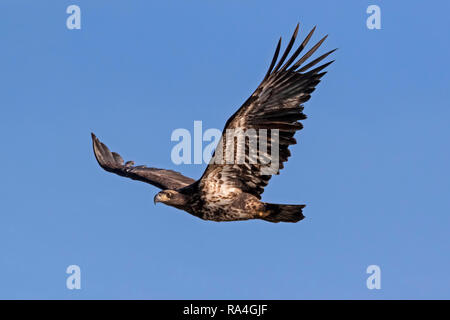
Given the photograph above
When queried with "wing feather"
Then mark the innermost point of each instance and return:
(276, 105)
(113, 162)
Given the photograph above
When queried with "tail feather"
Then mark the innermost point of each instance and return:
(284, 212)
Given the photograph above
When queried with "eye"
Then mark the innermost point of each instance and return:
(169, 195)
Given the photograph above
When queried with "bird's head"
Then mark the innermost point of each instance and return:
(170, 197)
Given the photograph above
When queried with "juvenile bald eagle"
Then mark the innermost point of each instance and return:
(229, 191)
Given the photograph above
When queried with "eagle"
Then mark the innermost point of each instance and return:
(231, 190)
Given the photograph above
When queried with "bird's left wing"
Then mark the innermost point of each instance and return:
(113, 162)
(276, 106)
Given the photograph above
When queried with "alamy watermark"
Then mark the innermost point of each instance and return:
(374, 20)
(235, 146)
(74, 280)
(374, 280)
(74, 20)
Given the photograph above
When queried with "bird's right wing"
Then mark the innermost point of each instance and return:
(275, 106)
(113, 162)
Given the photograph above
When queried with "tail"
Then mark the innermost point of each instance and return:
(284, 212)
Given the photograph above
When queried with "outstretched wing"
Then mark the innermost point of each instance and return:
(113, 162)
(275, 105)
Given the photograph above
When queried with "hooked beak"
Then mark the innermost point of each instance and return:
(156, 199)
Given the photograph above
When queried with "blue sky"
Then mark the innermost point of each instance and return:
(372, 163)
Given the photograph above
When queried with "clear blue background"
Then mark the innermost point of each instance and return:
(372, 163)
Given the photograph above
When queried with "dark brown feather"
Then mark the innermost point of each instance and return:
(275, 104)
(113, 162)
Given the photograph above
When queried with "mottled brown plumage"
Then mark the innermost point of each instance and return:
(232, 190)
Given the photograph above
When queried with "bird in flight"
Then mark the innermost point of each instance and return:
(231, 190)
